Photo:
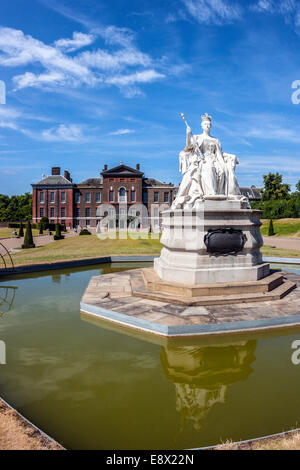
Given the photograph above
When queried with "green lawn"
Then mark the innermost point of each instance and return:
(281, 252)
(88, 246)
(283, 228)
(6, 232)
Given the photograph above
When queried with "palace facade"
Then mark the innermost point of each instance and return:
(117, 192)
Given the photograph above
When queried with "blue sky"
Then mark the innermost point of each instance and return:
(91, 82)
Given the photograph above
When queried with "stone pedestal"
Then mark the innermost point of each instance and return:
(186, 259)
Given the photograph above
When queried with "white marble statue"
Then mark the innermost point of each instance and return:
(232, 183)
(207, 171)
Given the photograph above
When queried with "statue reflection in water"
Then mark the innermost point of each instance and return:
(7, 298)
(202, 375)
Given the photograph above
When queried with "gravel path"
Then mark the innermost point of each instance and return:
(285, 243)
(12, 243)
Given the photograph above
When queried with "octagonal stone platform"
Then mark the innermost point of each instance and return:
(124, 298)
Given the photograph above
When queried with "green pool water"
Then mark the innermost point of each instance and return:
(91, 387)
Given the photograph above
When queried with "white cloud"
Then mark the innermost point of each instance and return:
(289, 9)
(64, 133)
(9, 125)
(276, 6)
(122, 132)
(275, 132)
(272, 129)
(116, 36)
(59, 69)
(8, 113)
(213, 11)
(30, 79)
(263, 5)
(20, 49)
(79, 40)
(146, 76)
(118, 60)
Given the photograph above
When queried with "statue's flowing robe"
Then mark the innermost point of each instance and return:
(190, 188)
(233, 186)
(220, 166)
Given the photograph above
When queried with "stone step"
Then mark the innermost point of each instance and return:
(277, 293)
(155, 284)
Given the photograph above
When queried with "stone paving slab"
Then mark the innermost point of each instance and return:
(163, 318)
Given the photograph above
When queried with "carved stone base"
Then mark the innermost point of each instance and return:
(188, 255)
(272, 287)
(210, 275)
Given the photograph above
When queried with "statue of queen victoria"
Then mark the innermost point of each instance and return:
(208, 173)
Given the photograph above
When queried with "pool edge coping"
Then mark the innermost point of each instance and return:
(181, 331)
(29, 268)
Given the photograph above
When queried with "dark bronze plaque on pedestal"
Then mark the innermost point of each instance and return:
(225, 241)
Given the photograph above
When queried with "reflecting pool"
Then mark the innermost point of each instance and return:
(91, 385)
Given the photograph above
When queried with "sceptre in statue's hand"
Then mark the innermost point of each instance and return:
(188, 129)
(189, 142)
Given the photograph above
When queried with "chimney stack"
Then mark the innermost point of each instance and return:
(55, 171)
(138, 166)
(67, 175)
(105, 168)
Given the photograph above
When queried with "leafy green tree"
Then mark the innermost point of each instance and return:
(274, 188)
(28, 239)
(15, 208)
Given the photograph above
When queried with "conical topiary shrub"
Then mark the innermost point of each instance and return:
(40, 228)
(58, 235)
(28, 239)
(271, 230)
(21, 230)
(44, 222)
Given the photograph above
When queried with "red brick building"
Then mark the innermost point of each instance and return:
(116, 192)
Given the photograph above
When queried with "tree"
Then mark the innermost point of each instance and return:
(15, 208)
(274, 188)
(28, 239)
(271, 230)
